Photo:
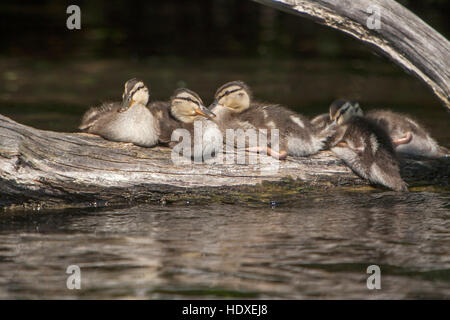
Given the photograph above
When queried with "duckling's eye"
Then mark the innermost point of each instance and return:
(241, 94)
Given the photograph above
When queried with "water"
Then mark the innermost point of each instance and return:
(310, 246)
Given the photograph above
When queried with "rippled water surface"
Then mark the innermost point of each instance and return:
(311, 246)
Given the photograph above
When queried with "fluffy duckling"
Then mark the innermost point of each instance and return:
(188, 109)
(413, 138)
(129, 121)
(235, 109)
(181, 111)
(365, 147)
(407, 135)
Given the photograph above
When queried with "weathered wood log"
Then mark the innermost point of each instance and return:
(57, 169)
(403, 37)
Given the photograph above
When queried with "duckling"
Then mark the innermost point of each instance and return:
(365, 147)
(188, 109)
(181, 111)
(130, 121)
(410, 136)
(235, 109)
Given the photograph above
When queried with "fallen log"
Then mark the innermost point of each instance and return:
(53, 169)
(402, 36)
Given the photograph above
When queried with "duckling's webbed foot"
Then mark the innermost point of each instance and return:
(282, 155)
(406, 139)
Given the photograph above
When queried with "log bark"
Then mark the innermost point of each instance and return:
(402, 37)
(57, 169)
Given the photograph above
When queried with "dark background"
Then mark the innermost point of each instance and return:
(50, 75)
(196, 28)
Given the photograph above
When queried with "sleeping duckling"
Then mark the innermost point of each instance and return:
(181, 111)
(235, 109)
(365, 147)
(129, 121)
(415, 140)
(407, 135)
(188, 109)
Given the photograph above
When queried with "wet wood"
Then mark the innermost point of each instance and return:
(402, 37)
(55, 169)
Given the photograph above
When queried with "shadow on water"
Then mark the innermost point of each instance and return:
(314, 246)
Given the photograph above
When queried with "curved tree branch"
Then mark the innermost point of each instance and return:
(403, 37)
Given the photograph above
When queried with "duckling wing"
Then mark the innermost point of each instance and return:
(397, 125)
(350, 138)
(413, 137)
(94, 114)
(321, 121)
(166, 123)
(368, 151)
(365, 136)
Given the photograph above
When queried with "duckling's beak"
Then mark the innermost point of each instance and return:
(126, 103)
(203, 111)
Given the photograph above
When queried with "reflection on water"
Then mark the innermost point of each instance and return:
(317, 247)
